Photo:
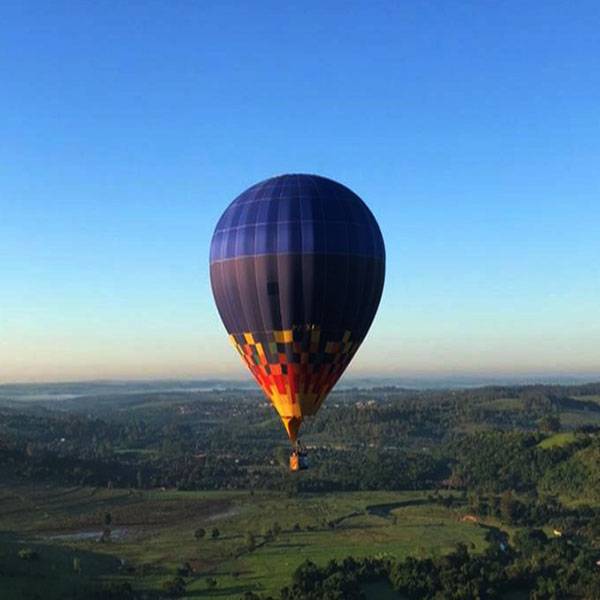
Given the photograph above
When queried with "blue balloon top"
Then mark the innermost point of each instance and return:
(297, 214)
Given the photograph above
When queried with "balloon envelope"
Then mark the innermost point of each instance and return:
(297, 265)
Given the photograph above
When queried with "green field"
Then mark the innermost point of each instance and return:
(153, 535)
(557, 440)
(502, 404)
(588, 398)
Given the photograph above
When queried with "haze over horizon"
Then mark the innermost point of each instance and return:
(53, 389)
(469, 129)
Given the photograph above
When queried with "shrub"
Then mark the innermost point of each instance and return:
(28, 554)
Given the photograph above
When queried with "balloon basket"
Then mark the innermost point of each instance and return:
(298, 461)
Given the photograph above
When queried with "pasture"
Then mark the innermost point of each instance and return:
(557, 440)
(262, 537)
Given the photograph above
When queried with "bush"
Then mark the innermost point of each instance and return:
(211, 583)
(174, 587)
(250, 540)
(28, 554)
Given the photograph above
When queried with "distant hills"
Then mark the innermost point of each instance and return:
(73, 389)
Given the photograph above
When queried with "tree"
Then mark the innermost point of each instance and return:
(448, 501)
(106, 532)
(529, 541)
(28, 554)
(174, 587)
(200, 533)
(211, 583)
(215, 533)
(549, 423)
(250, 540)
(493, 506)
(185, 570)
(508, 506)
(474, 502)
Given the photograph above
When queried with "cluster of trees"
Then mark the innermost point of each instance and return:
(335, 581)
(383, 439)
(497, 460)
(542, 568)
(486, 444)
(545, 569)
(537, 511)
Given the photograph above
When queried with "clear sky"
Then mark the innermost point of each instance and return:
(471, 128)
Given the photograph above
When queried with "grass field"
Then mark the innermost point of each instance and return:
(557, 440)
(574, 418)
(153, 535)
(502, 404)
(591, 398)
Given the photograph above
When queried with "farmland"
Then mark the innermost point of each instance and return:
(187, 493)
(152, 535)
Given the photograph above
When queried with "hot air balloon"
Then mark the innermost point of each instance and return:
(297, 265)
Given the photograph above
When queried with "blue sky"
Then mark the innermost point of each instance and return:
(471, 128)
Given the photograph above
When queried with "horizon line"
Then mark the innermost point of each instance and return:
(504, 378)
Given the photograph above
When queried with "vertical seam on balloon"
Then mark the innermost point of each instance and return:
(301, 258)
(258, 294)
(279, 279)
(324, 254)
(237, 280)
(311, 179)
(220, 266)
(225, 311)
